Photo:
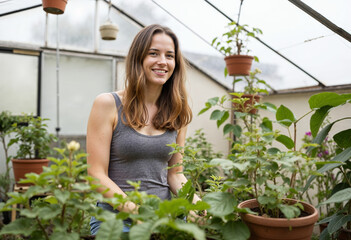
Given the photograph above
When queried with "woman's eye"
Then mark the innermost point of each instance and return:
(170, 56)
(152, 53)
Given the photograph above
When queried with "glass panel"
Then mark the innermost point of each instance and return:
(76, 26)
(24, 27)
(7, 6)
(81, 79)
(18, 83)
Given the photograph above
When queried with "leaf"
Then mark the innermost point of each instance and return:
(288, 142)
(236, 129)
(62, 196)
(213, 101)
(221, 203)
(341, 196)
(266, 200)
(19, 226)
(65, 236)
(324, 235)
(270, 107)
(328, 99)
(320, 137)
(217, 115)
(267, 125)
(111, 229)
(235, 231)
(341, 157)
(192, 229)
(343, 138)
(285, 116)
(337, 222)
(224, 163)
(289, 211)
(223, 119)
(317, 119)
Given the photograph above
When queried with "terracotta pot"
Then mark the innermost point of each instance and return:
(54, 6)
(238, 65)
(23, 166)
(108, 31)
(252, 100)
(264, 228)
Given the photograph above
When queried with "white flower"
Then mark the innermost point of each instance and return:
(73, 146)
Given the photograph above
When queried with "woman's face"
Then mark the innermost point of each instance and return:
(159, 63)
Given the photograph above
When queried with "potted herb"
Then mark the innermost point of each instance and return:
(233, 44)
(339, 223)
(34, 145)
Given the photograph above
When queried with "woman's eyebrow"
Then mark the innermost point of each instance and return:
(155, 49)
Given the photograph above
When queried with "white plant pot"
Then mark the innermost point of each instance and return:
(108, 31)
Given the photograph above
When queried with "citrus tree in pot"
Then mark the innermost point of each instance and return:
(34, 146)
(233, 44)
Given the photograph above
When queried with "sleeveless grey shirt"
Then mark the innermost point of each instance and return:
(138, 157)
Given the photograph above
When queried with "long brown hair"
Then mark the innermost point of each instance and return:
(173, 109)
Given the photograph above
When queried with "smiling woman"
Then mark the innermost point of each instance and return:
(129, 130)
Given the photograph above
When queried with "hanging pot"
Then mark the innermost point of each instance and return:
(108, 31)
(249, 104)
(239, 65)
(265, 228)
(54, 6)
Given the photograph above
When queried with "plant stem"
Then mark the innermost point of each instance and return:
(43, 229)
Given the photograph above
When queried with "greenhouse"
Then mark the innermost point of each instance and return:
(148, 129)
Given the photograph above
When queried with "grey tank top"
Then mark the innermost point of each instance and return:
(138, 157)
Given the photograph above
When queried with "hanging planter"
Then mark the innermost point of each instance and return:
(108, 31)
(249, 104)
(238, 65)
(54, 6)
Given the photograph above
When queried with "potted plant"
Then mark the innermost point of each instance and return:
(254, 86)
(233, 45)
(34, 145)
(54, 6)
(59, 202)
(339, 223)
(273, 175)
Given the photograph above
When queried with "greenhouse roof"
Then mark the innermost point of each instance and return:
(304, 44)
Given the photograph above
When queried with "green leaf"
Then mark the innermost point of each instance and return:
(235, 231)
(324, 235)
(270, 107)
(62, 196)
(111, 229)
(236, 129)
(273, 150)
(328, 99)
(192, 229)
(288, 142)
(317, 119)
(266, 200)
(343, 138)
(267, 124)
(217, 114)
(320, 137)
(223, 119)
(341, 196)
(64, 235)
(19, 226)
(289, 211)
(213, 101)
(285, 116)
(341, 157)
(221, 203)
(224, 163)
(337, 222)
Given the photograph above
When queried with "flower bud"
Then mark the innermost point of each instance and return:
(73, 146)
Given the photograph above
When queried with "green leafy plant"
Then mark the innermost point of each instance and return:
(6, 128)
(204, 153)
(60, 202)
(253, 84)
(322, 104)
(33, 138)
(234, 41)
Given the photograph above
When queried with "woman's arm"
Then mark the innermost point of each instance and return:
(176, 178)
(102, 120)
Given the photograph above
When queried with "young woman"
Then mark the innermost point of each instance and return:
(128, 130)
